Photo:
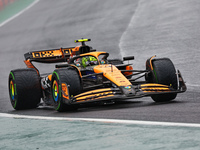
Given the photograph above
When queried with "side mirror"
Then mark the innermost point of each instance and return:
(128, 58)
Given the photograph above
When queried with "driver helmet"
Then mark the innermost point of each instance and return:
(89, 61)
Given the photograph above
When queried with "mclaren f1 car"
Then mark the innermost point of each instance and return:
(84, 75)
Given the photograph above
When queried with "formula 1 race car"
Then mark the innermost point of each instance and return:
(84, 75)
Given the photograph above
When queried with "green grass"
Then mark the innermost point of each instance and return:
(14, 8)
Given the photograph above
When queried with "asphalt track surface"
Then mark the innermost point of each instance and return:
(121, 27)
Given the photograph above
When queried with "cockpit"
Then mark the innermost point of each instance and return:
(92, 59)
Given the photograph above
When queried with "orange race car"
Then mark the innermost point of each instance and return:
(86, 75)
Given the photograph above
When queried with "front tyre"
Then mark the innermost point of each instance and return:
(71, 78)
(24, 88)
(163, 73)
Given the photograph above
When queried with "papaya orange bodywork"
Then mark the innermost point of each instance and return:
(50, 77)
(154, 87)
(95, 54)
(76, 49)
(128, 68)
(51, 53)
(151, 62)
(30, 65)
(100, 93)
(113, 74)
(154, 84)
(65, 90)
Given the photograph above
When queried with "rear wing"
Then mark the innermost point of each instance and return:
(50, 56)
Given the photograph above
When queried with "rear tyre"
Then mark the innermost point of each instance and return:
(24, 89)
(163, 73)
(71, 78)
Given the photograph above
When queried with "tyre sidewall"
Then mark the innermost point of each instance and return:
(59, 102)
(13, 98)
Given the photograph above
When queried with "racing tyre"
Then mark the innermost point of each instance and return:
(164, 73)
(71, 78)
(24, 89)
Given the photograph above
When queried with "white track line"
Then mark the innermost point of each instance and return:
(134, 122)
(16, 15)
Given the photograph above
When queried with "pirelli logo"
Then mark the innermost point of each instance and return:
(51, 53)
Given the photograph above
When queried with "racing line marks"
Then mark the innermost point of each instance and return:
(133, 122)
(16, 15)
(121, 41)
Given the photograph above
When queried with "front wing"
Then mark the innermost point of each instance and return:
(141, 90)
